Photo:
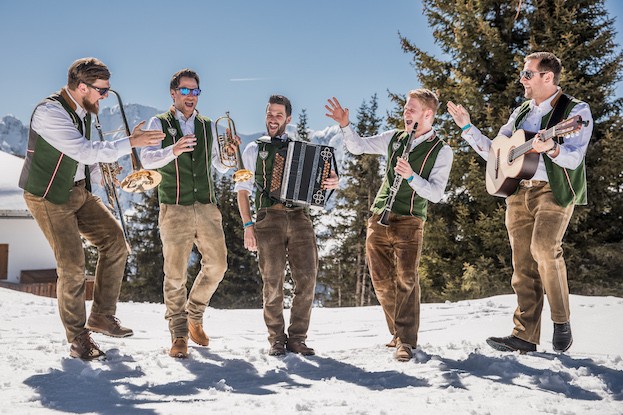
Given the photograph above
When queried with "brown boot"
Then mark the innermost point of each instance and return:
(196, 333)
(300, 348)
(83, 347)
(278, 348)
(179, 348)
(404, 352)
(107, 324)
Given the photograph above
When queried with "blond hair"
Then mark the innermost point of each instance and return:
(426, 97)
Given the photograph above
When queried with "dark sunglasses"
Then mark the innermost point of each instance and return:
(529, 74)
(187, 91)
(102, 91)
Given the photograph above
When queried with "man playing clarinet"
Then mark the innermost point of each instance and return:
(393, 248)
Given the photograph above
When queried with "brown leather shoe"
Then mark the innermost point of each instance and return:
(196, 333)
(107, 324)
(179, 348)
(83, 347)
(278, 348)
(300, 348)
(404, 352)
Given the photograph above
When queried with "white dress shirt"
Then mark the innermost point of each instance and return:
(52, 122)
(155, 157)
(572, 152)
(431, 189)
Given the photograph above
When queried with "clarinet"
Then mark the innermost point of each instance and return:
(384, 220)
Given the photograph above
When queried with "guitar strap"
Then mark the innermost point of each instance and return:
(559, 110)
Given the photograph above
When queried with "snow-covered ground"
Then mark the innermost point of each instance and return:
(453, 372)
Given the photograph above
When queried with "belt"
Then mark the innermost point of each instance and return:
(81, 183)
(287, 207)
(532, 183)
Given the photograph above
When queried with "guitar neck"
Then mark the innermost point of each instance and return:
(527, 146)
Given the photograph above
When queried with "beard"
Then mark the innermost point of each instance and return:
(93, 108)
(280, 131)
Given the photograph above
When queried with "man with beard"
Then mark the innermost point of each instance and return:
(538, 213)
(280, 234)
(188, 210)
(61, 163)
(394, 250)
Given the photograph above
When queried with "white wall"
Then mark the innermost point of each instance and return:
(28, 248)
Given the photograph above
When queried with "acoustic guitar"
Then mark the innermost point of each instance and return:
(512, 159)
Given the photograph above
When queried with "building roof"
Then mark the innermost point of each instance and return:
(12, 202)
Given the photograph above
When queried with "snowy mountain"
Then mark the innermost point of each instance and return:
(453, 370)
(13, 136)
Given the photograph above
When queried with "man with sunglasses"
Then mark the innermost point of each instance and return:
(61, 163)
(188, 210)
(539, 212)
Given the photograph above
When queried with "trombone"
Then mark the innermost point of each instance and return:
(231, 160)
(140, 179)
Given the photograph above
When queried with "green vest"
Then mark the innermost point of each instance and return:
(47, 172)
(422, 159)
(568, 186)
(188, 178)
(266, 151)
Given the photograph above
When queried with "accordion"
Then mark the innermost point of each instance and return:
(298, 173)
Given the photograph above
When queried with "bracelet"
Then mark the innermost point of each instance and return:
(249, 223)
(552, 150)
(410, 178)
(466, 127)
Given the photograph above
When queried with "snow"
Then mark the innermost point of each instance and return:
(11, 196)
(453, 370)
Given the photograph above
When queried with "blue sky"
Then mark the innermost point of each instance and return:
(243, 51)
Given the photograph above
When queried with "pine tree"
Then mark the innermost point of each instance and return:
(301, 127)
(145, 274)
(466, 249)
(345, 270)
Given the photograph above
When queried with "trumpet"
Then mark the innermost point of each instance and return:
(231, 160)
(140, 179)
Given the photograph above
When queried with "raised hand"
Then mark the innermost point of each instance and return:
(337, 113)
(459, 114)
(185, 144)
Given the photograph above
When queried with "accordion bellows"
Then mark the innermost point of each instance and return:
(298, 173)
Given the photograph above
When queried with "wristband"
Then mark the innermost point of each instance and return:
(249, 223)
(552, 150)
(466, 127)
(410, 178)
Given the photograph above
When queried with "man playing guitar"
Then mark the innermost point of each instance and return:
(539, 212)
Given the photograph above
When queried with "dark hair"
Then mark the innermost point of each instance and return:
(548, 62)
(189, 73)
(280, 99)
(87, 70)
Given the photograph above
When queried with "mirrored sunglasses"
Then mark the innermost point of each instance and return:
(186, 91)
